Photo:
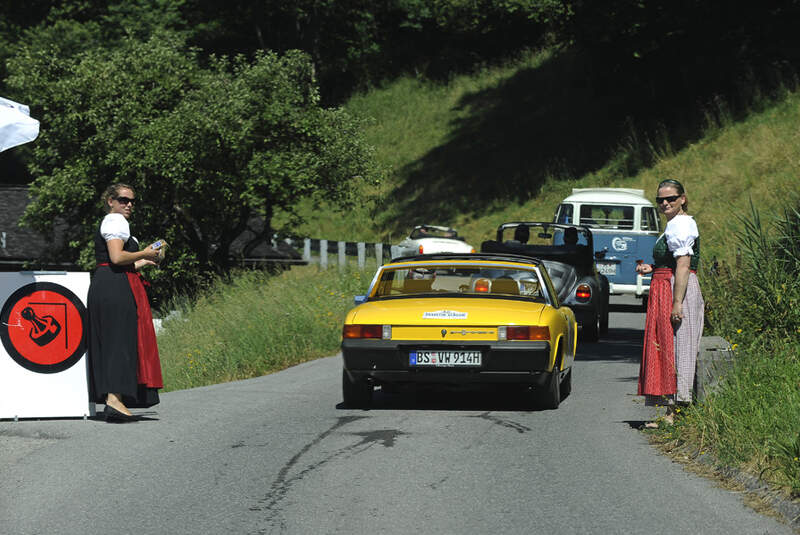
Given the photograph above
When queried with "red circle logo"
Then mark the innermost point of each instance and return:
(43, 327)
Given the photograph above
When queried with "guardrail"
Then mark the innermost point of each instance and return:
(319, 251)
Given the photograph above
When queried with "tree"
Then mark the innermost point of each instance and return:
(207, 148)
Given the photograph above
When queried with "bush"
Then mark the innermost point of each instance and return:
(760, 294)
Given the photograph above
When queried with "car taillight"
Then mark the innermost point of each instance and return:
(523, 332)
(482, 285)
(420, 249)
(583, 292)
(472, 250)
(364, 331)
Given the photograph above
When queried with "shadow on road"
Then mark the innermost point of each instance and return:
(636, 424)
(442, 398)
(626, 307)
(621, 345)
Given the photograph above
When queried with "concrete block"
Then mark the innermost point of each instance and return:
(714, 361)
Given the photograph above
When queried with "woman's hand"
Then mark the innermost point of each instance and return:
(644, 269)
(139, 264)
(679, 288)
(676, 316)
(149, 254)
(121, 257)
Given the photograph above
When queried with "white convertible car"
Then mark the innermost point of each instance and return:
(430, 239)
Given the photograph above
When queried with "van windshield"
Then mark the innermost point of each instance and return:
(608, 216)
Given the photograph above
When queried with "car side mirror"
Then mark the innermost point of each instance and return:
(359, 299)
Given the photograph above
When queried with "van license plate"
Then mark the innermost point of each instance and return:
(607, 269)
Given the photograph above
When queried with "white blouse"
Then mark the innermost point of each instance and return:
(115, 226)
(681, 233)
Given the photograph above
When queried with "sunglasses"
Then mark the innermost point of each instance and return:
(671, 198)
(124, 200)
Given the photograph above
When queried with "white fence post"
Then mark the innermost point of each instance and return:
(342, 258)
(361, 247)
(379, 253)
(307, 249)
(323, 254)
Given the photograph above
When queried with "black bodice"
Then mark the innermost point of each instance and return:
(101, 248)
(663, 257)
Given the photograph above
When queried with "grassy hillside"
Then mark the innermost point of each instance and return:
(511, 141)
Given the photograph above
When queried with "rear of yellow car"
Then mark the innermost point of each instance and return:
(475, 324)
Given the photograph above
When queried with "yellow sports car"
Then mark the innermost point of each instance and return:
(467, 319)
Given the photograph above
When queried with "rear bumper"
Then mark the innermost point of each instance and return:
(629, 289)
(387, 361)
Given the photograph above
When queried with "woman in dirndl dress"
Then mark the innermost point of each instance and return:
(674, 322)
(125, 370)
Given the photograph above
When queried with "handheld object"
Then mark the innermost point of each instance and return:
(160, 246)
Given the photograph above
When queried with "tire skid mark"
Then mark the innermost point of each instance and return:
(510, 424)
(283, 483)
(437, 484)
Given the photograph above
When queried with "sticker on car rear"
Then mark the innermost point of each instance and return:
(444, 315)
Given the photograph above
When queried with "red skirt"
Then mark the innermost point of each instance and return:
(149, 371)
(657, 370)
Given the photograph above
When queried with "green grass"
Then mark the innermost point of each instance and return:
(751, 422)
(256, 324)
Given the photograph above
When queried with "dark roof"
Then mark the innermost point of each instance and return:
(19, 245)
(273, 250)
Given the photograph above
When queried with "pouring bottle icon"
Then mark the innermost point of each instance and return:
(44, 329)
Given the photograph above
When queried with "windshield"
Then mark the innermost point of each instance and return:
(563, 214)
(462, 280)
(607, 216)
(433, 232)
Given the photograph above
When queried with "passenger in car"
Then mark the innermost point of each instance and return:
(521, 236)
(674, 322)
(626, 223)
(571, 237)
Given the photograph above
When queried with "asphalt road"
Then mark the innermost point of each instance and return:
(277, 454)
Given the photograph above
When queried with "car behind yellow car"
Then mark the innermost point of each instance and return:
(465, 319)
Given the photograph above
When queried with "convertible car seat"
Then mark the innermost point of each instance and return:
(505, 286)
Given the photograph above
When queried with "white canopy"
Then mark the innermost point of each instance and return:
(16, 125)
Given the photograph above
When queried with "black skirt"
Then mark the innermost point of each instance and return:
(113, 353)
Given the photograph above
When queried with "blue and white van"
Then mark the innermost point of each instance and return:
(625, 226)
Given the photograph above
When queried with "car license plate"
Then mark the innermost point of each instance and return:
(607, 269)
(444, 359)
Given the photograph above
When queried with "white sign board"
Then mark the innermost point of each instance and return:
(43, 355)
